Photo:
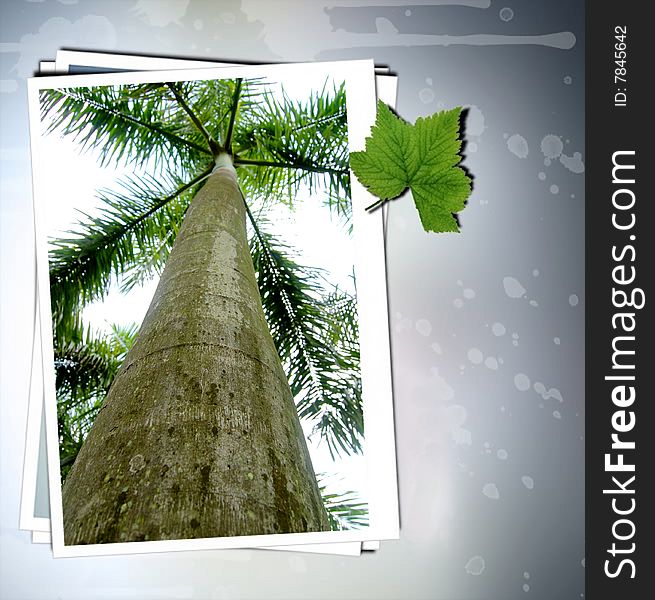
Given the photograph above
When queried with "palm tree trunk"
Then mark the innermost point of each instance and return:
(198, 435)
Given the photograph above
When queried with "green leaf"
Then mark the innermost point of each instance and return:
(390, 160)
(422, 157)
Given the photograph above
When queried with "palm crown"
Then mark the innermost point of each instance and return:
(172, 133)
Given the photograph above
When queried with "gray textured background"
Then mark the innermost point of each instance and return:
(487, 326)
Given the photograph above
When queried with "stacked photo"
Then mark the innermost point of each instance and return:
(211, 363)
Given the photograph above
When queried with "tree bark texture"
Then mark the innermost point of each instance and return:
(198, 436)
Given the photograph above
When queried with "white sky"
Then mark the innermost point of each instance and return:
(74, 179)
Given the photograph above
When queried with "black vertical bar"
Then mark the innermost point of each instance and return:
(619, 268)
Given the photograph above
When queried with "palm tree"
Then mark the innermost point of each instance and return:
(199, 434)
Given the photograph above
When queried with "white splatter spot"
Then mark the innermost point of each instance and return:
(426, 95)
(526, 575)
(498, 329)
(518, 145)
(468, 293)
(506, 14)
(475, 565)
(502, 454)
(475, 356)
(513, 287)
(473, 147)
(557, 414)
(551, 146)
(573, 300)
(568, 80)
(137, 463)
(408, 13)
(436, 347)
(456, 417)
(428, 80)
(573, 163)
(515, 336)
(541, 175)
(546, 394)
(534, 303)
(474, 121)
(526, 587)
(385, 26)
(528, 482)
(491, 363)
(535, 272)
(583, 563)
(491, 491)
(557, 341)
(522, 382)
(554, 189)
(424, 327)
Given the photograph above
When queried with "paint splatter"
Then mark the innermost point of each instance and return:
(551, 146)
(426, 95)
(474, 121)
(424, 327)
(573, 163)
(475, 356)
(475, 565)
(518, 145)
(491, 491)
(506, 14)
(491, 363)
(522, 382)
(498, 329)
(513, 287)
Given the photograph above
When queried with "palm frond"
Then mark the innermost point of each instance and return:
(345, 510)
(85, 367)
(318, 347)
(142, 217)
(213, 105)
(127, 124)
(282, 144)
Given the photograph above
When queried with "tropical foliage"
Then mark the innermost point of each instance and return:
(170, 134)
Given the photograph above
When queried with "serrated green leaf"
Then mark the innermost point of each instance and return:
(422, 157)
(438, 196)
(390, 160)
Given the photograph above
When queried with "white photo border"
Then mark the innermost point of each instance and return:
(369, 261)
